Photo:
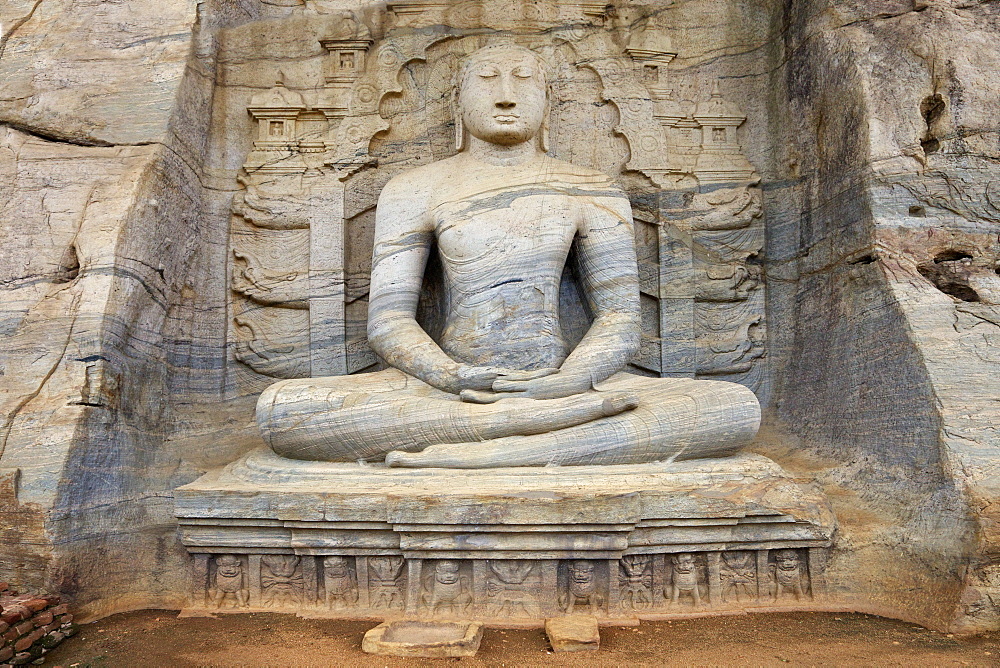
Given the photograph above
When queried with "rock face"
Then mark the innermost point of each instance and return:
(187, 215)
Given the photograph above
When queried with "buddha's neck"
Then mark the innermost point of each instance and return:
(497, 154)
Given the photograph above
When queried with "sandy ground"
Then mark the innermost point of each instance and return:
(159, 638)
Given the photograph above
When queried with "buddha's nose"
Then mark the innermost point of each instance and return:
(505, 99)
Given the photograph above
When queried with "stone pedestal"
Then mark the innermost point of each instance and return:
(503, 544)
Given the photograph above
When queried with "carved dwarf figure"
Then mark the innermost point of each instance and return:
(636, 582)
(385, 573)
(281, 581)
(786, 575)
(739, 575)
(511, 595)
(341, 589)
(685, 578)
(449, 591)
(230, 582)
(582, 588)
(501, 385)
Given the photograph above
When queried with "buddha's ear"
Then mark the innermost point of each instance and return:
(543, 131)
(459, 131)
(456, 109)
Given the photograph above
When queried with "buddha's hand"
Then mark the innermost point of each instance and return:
(554, 384)
(482, 378)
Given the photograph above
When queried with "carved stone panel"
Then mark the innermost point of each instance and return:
(447, 588)
(282, 583)
(380, 100)
(386, 583)
(340, 582)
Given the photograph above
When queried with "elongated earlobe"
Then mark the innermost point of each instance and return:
(543, 132)
(459, 132)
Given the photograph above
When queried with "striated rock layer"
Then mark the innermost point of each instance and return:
(126, 369)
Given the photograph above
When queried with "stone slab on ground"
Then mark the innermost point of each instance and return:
(424, 639)
(575, 633)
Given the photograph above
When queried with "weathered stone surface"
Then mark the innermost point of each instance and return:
(132, 356)
(573, 633)
(424, 639)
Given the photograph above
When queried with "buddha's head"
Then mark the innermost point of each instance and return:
(502, 96)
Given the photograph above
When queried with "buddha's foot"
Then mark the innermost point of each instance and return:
(530, 450)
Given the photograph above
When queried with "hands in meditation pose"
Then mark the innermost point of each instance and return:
(501, 387)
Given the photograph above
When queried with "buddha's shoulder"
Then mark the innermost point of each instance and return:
(422, 179)
(578, 175)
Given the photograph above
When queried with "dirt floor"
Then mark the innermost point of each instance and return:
(159, 638)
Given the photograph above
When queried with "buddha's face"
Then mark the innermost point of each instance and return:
(502, 96)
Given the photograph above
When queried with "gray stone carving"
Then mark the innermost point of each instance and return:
(447, 591)
(230, 582)
(281, 581)
(509, 591)
(340, 583)
(583, 588)
(386, 582)
(636, 582)
(788, 578)
(502, 348)
(739, 576)
(685, 580)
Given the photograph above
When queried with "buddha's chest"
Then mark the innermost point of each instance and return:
(529, 229)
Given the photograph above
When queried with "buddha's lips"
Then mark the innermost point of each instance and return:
(505, 118)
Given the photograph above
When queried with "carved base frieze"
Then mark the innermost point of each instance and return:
(521, 545)
(636, 585)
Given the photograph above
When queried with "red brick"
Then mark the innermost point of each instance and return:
(42, 618)
(11, 616)
(24, 628)
(19, 609)
(49, 628)
(3, 627)
(6, 653)
(53, 599)
(21, 659)
(4, 586)
(10, 636)
(23, 644)
(36, 604)
(66, 619)
(60, 609)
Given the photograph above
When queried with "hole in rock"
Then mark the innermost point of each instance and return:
(867, 258)
(69, 266)
(951, 256)
(950, 274)
(931, 108)
(918, 211)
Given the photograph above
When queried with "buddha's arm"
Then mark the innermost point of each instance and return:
(403, 239)
(608, 273)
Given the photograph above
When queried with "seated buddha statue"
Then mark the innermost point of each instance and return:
(501, 386)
